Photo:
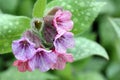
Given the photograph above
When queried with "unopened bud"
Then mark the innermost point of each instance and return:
(54, 10)
(49, 31)
(37, 24)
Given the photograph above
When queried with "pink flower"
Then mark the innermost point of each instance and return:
(43, 60)
(62, 21)
(22, 66)
(62, 58)
(63, 42)
(23, 49)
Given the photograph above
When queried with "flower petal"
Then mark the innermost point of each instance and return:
(43, 60)
(22, 66)
(65, 16)
(23, 49)
(62, 19)
(33, 38)
(62, 58)
(62, 42)
(67, 25)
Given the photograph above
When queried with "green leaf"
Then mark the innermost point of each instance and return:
(13, 74)
(25, 8)
(85, 48)
(8, 6)
(106, 39)
(113, 71)
(90, 76)
(84, 12)
(116, 25)
(0, 11)
(11, 28)
(65, 74)
(111, 37)
(39, 7)
(111, 24)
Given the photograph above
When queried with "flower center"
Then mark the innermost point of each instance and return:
(24, 44)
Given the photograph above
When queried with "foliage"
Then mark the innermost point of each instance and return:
(96, 30)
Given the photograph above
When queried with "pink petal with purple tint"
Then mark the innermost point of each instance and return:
(43, 60)
(62, 19)
(23, 49)
(63, 42)
(62, 58)
(22, 66)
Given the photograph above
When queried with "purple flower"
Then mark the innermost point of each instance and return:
(62, 21)
(62, 58)
(62, 42)
(23, 49)
(22, 66)
(43, 60)
(33, 38)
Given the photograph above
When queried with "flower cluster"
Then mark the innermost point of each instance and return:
(45, 46)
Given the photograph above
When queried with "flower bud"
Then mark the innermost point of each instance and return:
(54, 10)
(49, 31)
(33, 38)
(37, 24)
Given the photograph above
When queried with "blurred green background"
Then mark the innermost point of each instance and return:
(102, 31)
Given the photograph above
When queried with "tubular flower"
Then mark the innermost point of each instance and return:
(62, 21)
(33, 38)
(22, 66)
(62, 58)
(63, 42)
(23, 49)
(42, 60)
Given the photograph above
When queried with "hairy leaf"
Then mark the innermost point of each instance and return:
(85, 48)
(11, 28)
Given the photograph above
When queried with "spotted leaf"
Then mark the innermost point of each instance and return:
(11, 28)
(85, 48)
(84, 12)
